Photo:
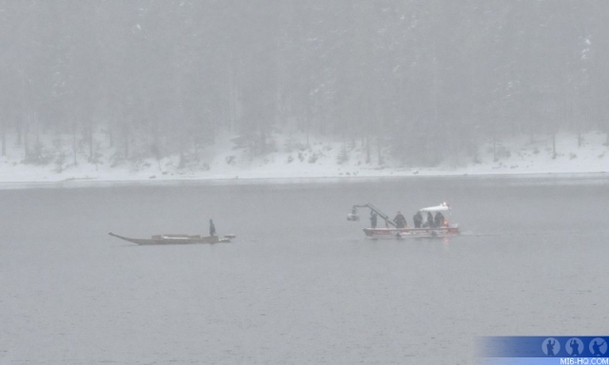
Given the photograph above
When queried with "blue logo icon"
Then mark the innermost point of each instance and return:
(574, 346)
(550, 346)
(598, 346)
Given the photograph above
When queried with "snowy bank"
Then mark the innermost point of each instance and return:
(293, 157)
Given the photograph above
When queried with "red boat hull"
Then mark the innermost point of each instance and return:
(411, 232)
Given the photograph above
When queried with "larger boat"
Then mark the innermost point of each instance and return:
(427, 230)
(174, 239)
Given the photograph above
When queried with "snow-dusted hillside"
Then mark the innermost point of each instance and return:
(294, 158)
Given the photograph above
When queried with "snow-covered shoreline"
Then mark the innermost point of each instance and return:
(319, 160)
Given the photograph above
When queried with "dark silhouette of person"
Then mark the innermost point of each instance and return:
(596, 349)
(373, 218)
(574, 348)
(439, 220)
(418, 220)
(399, 220)
(429, 220)
(550, 348)
(212, 228)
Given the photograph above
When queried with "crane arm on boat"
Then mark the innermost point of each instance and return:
(354, 217)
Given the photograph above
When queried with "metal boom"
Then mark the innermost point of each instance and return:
(375, 209)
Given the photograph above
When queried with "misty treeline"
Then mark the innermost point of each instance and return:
(420, 79)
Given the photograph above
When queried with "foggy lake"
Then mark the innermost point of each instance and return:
(300, 284)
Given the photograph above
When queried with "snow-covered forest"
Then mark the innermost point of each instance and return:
(412, 80)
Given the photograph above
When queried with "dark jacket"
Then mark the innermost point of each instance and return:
(430, 219)
(439, 220)
(417, 219)
(400, 221)
(212, 228)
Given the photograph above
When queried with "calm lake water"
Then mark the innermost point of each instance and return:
(300, 284)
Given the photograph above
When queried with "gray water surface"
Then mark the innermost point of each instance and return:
(300, 284)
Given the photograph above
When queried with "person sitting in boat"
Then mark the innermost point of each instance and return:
(418, 220)
(429, 223)
(212, 228)
(439, 220)
(373, 218)
(399, 220)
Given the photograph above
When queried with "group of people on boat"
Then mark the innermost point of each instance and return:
(430, 222)
(400, 220)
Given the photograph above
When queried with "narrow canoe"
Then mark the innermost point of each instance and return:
(174, 239)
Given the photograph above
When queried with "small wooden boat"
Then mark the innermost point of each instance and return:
(175, 239)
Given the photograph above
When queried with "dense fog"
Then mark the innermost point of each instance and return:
(424, 78)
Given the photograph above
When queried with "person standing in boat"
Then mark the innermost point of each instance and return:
(373, 218)
(439, 220)
(399, 220)
(418, 220)
(212, 228)
(429, 220)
